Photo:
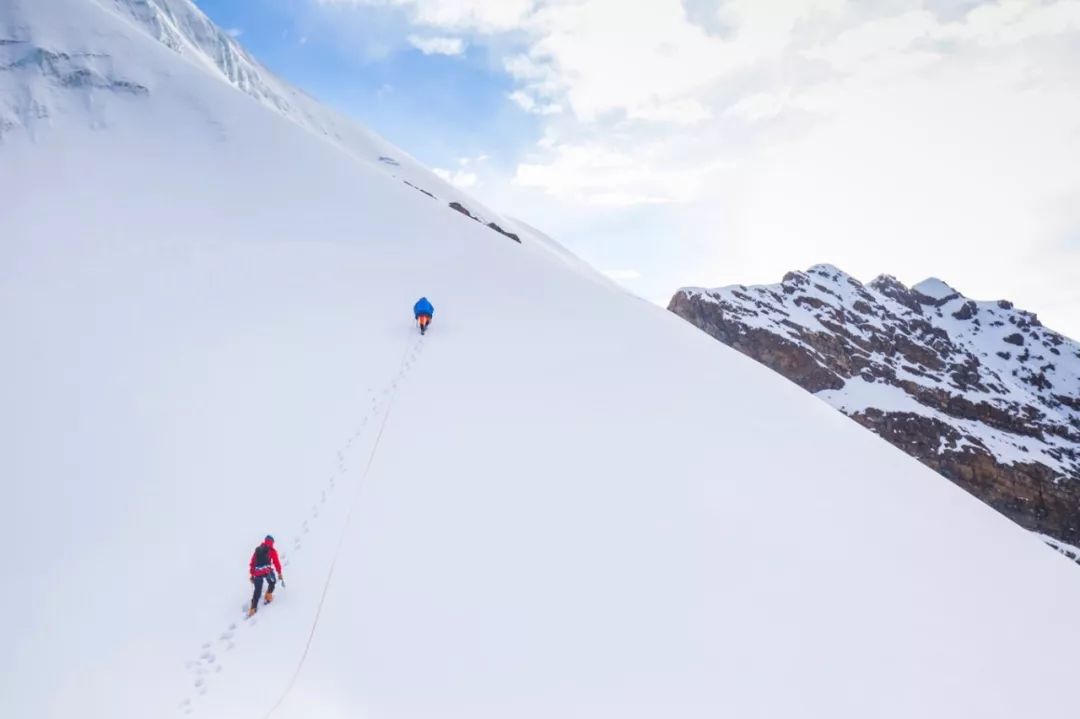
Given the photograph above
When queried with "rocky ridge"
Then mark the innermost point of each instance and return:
(981, 392)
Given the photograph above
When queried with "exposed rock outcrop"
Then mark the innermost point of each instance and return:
(979, 391)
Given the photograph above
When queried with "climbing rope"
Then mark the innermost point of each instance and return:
(344, 529)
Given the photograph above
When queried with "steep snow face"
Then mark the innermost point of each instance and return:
(953, 381)
(537, 510)
(38, 36)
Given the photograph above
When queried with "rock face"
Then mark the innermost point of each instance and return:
(979, 391)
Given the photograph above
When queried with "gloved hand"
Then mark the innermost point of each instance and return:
(281, 578)
(251, 579)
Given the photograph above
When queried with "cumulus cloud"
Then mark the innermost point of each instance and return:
(438, 45)
(528, 103)
(622, 275)
(928, 137)
(600, 172)
(759, 106)
(485, 16)
(458, 178)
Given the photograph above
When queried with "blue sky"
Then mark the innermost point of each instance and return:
(436, 107)
(711, 142)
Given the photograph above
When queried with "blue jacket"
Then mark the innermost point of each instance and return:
(423, 307)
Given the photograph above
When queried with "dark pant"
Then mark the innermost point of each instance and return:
(258, 589)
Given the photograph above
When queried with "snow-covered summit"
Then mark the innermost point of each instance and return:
(537, 510)
(935, 289)
(826, 270)
(980, 391)
(182, 27)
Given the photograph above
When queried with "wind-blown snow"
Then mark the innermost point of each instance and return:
(206, 313)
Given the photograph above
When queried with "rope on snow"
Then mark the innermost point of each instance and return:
(341, 539)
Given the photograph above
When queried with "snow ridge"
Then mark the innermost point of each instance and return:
(43, 55)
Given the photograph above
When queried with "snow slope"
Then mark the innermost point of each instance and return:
(535, 511)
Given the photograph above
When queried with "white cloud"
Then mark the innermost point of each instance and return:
(1011, 22)
(684, 111)
(480, 15)
(486, 16)
(524, 99)
(759, 106)
(467, 173)
(893, 141)
(619, 68)
(529, 104)
(438, 45)
(914, 137)
(235, 31)
(598, 173)
(622, 275)
(459, 178)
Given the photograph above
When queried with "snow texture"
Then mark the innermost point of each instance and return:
(537, 510)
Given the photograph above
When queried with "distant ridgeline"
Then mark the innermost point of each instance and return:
(979, 391)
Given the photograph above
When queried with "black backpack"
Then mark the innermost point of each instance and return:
(262, 556)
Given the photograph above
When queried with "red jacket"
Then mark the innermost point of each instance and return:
(263, 570)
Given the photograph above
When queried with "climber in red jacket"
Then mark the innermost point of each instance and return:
(263, 563)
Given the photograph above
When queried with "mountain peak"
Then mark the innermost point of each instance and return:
(897, 291)
(936, 290)
(888, 282)
(979, 391)
(830, 271)
(182, 27)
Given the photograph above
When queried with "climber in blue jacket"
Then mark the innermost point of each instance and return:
(423, 311)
